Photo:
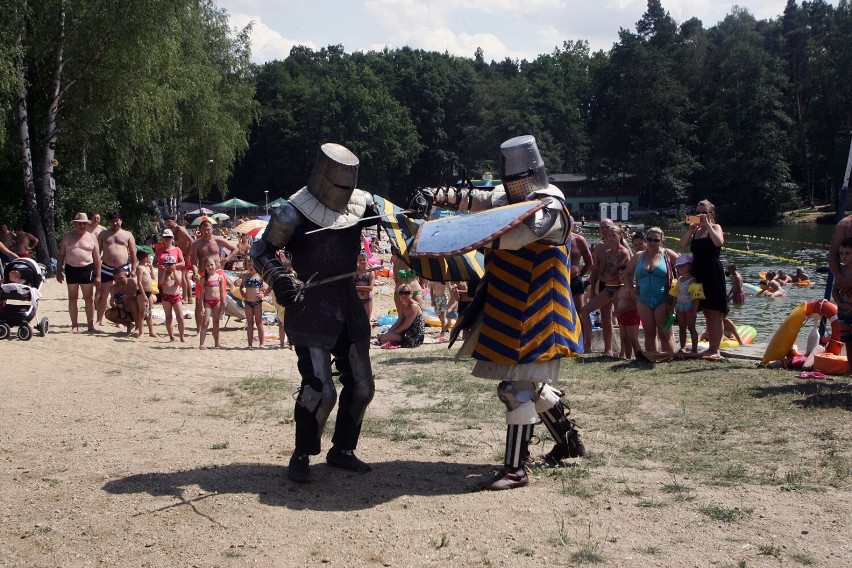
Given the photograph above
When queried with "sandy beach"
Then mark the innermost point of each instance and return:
(138, 452)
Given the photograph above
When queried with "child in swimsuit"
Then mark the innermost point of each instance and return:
(170, 295)
(253, 289)
(736, 294)
(145, 275)
(214, 289)
(364, 283)
(688, 293)
(628, 319)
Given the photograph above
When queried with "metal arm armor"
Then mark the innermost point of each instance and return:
(461, 198)
(264, 253)
(545, 219)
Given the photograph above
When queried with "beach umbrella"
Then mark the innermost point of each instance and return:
(249, 225)
(256, 232)
(203, 218)
(220, 216)
(201, 211)
(234, 203)
(277, 203)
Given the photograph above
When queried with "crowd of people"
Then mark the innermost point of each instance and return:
(644, 283)
(632, 280)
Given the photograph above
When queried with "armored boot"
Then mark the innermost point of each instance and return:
(299, 469)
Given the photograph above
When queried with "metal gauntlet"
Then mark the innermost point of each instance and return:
(264, 252)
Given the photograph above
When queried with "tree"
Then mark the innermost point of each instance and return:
(744, 126)
(122, 82)
(641, 111)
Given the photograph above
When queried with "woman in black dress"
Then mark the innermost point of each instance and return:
(705, 239)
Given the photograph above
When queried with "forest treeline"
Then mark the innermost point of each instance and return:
(121, 104)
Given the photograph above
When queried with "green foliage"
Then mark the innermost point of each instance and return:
(84, 191)
(159, 100)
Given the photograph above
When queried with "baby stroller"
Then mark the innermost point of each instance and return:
(19, 299)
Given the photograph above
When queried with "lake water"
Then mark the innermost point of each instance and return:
(758, 249)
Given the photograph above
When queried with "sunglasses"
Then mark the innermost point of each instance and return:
(404, 293)
(653, 240)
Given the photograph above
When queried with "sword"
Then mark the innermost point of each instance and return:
(311, 282)
(382, 216)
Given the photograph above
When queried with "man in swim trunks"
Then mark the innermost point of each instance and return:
(79, 266)
(183, 240)
(118, 252)
(208, 245)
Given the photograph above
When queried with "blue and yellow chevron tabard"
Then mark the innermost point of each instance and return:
(528, 311)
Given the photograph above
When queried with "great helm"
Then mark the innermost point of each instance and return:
(334, 176)
(523, 168)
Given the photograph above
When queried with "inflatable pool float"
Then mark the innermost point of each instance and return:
(751, 287)
(785, 336)
(747, 334)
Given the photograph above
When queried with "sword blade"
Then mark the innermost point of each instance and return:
(312, 283)
(382, 216)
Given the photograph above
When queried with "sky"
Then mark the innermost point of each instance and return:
(517, 29)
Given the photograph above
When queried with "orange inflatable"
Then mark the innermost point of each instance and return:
(829, 311)
(831, 364)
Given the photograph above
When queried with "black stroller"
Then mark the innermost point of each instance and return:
(19, 297)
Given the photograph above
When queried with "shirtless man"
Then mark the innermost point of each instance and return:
(579, 251)
(95, 226)
(24, 241)
(183, 240)
(118, 253)
(207, 245)
(79, 265)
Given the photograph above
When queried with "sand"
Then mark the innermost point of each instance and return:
(137, 452)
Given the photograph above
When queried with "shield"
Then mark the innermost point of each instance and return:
(459, 234)
(401, 230)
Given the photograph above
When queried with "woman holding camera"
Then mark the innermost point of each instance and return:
(705, 239)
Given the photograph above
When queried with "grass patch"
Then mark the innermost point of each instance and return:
(725, 514)
(219, 446)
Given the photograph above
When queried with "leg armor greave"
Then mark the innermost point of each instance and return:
(554, 415)
(517, 444)
(356, 376)
(521, 416)
(317, 397)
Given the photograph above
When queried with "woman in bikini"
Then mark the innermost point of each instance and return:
(214, 288)
(364, 283)
(607, 257)
(409, 327)
(170, 281)
(650, 274)
(253, 289)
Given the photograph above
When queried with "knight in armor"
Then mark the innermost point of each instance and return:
(320, 226)
(522, 318)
